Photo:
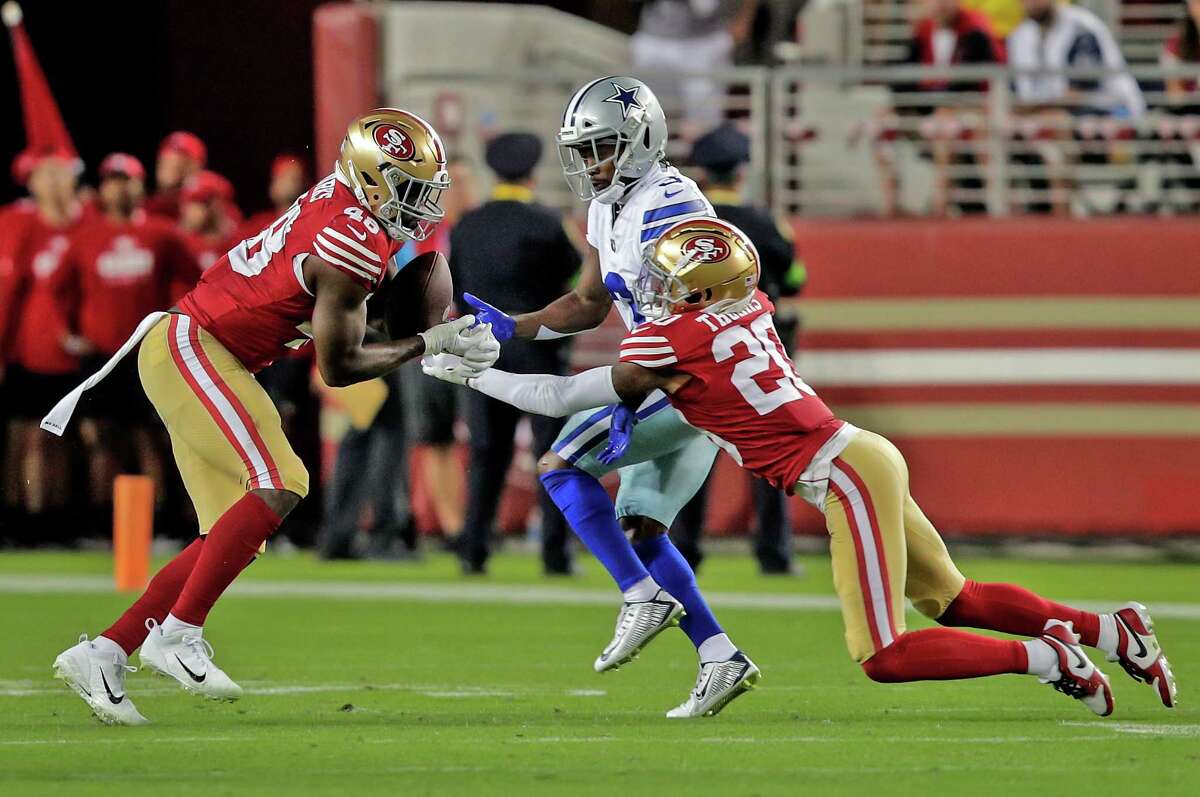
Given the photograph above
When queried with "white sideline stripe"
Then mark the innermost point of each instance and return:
(340, 252)
(124, 740)
(339, 263)
(262, 474)
(1090, 366)
(509, 594)
(346, 239)
(34, 688)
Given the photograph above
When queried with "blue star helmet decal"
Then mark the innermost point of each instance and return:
(627, 98)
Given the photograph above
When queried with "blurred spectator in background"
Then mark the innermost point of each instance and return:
(289, 179)
(1004, 15)
(180, 155)
(370, 478)
(690, 36)
(1055, 37)
(947, 35)
(1180, 128)
(431, 407)
(38, 353)
(518, 255)
(722, 154)
(121, 266)
(204, 217)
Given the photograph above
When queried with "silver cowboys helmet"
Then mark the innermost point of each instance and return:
(612, 119)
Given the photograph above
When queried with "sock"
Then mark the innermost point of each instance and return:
(644, 590)
(129, 631)
(232, 544)
(173, 624)
(106, 645)
(1015, 610)
(1043, 661)
(1107, 640)
(671, 570)
(944, 654)
(589, 511)
(717, 648)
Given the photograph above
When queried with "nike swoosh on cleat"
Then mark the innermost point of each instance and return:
(116, 701)
(1080, 659)
(197, 678)
(1135, 637)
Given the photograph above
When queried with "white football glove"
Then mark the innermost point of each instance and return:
(477, 347)
(440, 338)
(448, 368)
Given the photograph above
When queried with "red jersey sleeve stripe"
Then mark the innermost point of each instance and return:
(657, 363)
(353, 244)
(638, 340)
(332, 248)
(649, 350)
(339, 263)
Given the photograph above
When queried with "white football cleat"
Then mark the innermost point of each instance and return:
(718, 684)
(186, 656)
(1140, 655)
(637, 624)
(98, 678)
(1077, 676)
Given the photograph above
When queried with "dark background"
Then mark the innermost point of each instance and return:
(236, 73)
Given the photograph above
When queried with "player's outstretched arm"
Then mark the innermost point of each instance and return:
(340, 323)
(559, 396)
(584, 307)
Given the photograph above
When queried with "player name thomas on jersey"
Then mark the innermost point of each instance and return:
(743, 392)
(254, 299)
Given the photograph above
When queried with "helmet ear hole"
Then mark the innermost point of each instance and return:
(646, 137)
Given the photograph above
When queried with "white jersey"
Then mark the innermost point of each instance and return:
(621, 231)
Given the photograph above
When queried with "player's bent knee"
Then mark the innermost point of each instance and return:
(281, 502)
(551, 462)
(882, 666)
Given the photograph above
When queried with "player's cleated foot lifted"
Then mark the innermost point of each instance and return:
(186, 656)
(1077, 677)
(1139, 654)
(99, 678)
(637, 624)
(718, 684)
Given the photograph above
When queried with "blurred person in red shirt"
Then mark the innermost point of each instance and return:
(180, 155)
(38, 355)
(289, 179)
(122, 265)
(208, 226)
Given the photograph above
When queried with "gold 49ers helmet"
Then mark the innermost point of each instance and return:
(697, 264)
(396, 165)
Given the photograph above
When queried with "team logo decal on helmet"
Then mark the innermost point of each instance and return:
(705, 249)
(395, 142)
(626, 97)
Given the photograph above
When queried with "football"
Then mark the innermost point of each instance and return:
(416, 298)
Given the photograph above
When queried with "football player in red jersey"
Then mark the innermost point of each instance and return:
(713, 350)
(304, 278)
(38, 353)
(121, 265)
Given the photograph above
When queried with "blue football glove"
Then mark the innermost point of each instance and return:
(620, 434)
(503, 325)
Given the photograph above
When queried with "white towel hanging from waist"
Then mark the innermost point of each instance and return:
(57, 419)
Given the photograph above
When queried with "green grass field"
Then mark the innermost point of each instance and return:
(408, 679)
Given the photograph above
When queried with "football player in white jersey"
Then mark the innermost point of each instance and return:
(612, 144)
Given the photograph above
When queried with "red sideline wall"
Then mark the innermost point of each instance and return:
(1040, 376)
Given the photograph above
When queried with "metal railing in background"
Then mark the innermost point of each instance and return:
(849, 141)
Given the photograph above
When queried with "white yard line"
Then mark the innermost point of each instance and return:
(504, 594)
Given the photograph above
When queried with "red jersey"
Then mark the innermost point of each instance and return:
(744, 392)
(33, 315)
(119, 273)
(254, 300)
